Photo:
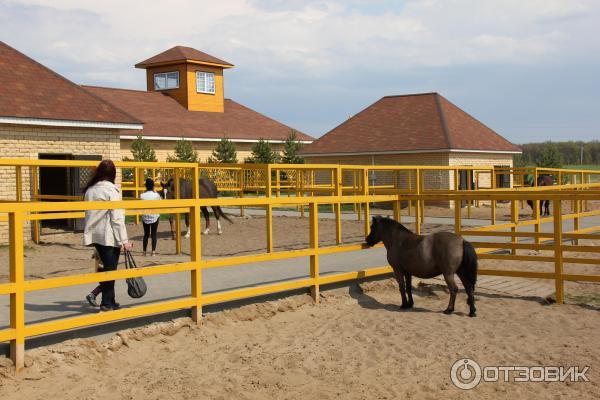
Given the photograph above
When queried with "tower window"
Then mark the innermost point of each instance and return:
(166, 80)
(205, 82)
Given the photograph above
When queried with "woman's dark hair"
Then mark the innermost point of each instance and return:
(149, 184)
(105, 171)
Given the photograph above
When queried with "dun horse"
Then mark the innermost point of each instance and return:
(426, 256)
(208, 190)
(544, 180)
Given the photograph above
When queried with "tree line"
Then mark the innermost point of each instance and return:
(224, 152)
(557, 154)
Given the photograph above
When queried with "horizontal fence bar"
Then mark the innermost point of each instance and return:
(64, 324)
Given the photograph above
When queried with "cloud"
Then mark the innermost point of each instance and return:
(306, 49)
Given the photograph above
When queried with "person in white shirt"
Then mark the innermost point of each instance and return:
(150, 221)
(105, 229)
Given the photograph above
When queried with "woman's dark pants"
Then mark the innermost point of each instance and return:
(150, 230)
(110, 259)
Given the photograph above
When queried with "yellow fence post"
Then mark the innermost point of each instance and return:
(514, 219)
(576, 221)
(558, 254)
(314, 244)
(17, 278)
(417, 203)
(536, 213)
(338, 205)
(18, 183)
(493, 202)
(177, 215)
(366, 194)
(195, 257)
(34, 197)
(457, 216)
(269, 210)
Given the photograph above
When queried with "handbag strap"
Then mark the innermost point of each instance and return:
(129, 261)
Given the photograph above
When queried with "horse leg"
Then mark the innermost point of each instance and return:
(172, 225)
(547, 207)
(207, 218)
(400, 279)
(187, 224)
(449, 278)
(216, 212)
(470, 289)
(408, 278)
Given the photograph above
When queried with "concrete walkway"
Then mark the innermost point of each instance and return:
(69, 301)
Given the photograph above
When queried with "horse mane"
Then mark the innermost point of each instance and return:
(389, 222)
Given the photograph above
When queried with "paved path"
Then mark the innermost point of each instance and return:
(65, 302)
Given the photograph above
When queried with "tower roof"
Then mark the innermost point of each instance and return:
(179, 54)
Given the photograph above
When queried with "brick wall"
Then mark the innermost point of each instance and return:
(29, 141)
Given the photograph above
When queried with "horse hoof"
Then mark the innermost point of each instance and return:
(187, 236)
(472, 314)
(448, 311)
(220, 232)
(405, 306)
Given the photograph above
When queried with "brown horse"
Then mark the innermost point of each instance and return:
(426, 256)
(543, 180)
(208, 190)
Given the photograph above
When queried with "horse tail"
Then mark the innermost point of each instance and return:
(468, 265)
(222, 214)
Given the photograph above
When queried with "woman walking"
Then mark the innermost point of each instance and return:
(105, 229)
(150, 221)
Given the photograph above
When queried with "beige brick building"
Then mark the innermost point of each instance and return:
(45, 116)
(423, 129)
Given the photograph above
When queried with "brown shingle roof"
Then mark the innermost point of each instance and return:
(182, 53)
(30, 90)
(164, 116)
(417, 122)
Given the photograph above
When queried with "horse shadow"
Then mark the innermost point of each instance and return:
(370, 303)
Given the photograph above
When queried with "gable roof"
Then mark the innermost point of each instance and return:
(410, 123)
(179, 54)
(33, 91)
(163, 116)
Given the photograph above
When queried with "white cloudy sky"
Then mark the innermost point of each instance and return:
(527, 68)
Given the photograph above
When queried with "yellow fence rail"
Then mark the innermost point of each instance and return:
(300, 186)
(19, 213)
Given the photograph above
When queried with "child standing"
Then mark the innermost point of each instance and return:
(150, 221)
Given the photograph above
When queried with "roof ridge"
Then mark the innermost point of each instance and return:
(411, 94)
(479, 122)
(110, 88)
(442, 116)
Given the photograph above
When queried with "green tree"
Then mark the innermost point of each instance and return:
(142, 150)
(262, 153)
(549, 157)
(224, 153)
(184, 152)
(291, 148)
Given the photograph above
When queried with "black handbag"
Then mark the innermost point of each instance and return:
(136, 287)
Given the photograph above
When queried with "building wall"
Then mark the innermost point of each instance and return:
(164, 148)
(181, 93)
(433, 179)
(205, 101)
(29, 141)
(481, 159)
(186, 93)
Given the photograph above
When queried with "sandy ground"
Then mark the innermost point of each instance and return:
(245, 236)
(356, 344)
